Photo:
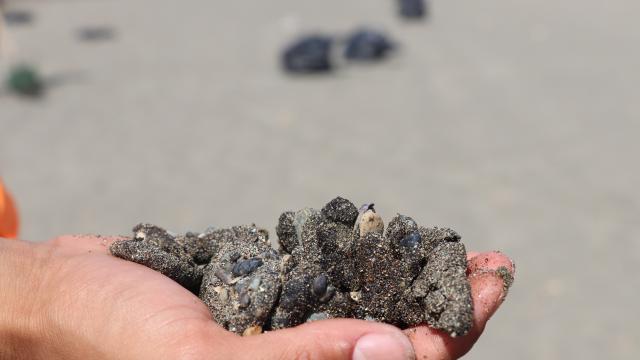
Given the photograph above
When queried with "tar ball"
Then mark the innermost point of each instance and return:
(412, 9)
(309, 54)
(367, 45)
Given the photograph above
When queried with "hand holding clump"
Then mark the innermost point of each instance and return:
(70, 298)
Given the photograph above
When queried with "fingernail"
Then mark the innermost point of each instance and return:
(389, 346)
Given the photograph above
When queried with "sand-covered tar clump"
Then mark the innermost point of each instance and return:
(335, 262)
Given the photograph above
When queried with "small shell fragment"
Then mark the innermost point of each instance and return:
(370, 221)
(253, 330)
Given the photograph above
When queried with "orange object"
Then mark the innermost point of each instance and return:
(8, 215)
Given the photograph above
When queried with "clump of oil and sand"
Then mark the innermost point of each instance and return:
(337, 262)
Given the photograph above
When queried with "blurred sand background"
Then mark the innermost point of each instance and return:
(514, 122)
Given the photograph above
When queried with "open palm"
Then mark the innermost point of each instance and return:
(99, 306)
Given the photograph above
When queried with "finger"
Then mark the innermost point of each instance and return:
(85, 243)
(488, 289)
(330, 339)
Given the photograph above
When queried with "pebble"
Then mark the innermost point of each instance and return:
(411, 241)
(328, 295)
(320, 284)
(244, 267)
(224, 277)
(244, 300)
(255, 283)
(318, 316)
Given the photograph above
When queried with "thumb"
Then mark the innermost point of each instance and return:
(331, 339)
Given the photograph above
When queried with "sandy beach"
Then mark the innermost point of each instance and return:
(515, 123)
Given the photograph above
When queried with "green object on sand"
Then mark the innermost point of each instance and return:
(25, 80)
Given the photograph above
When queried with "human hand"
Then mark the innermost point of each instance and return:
(80, 302)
